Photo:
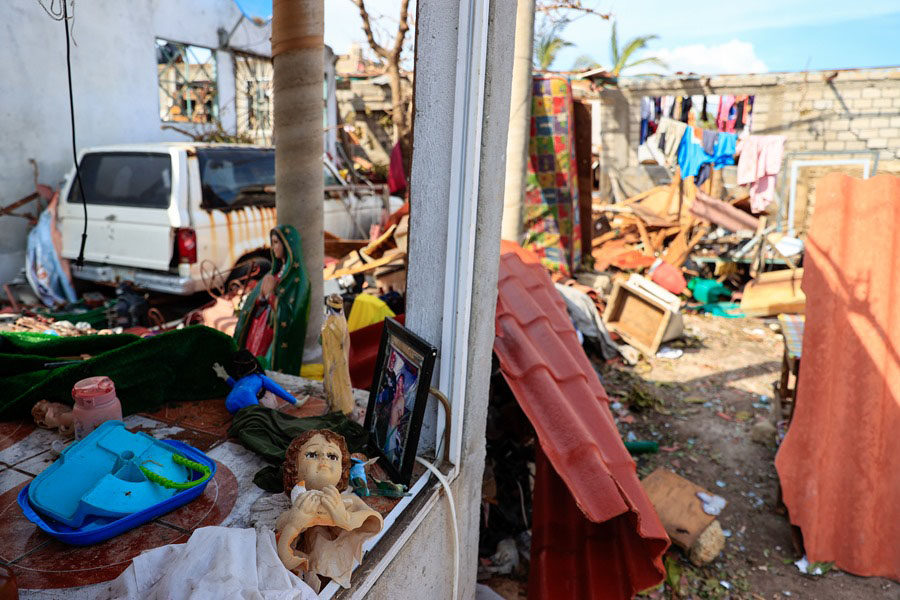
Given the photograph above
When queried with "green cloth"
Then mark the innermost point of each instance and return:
(729, 310)
(269, 432)
(147, 372)
(291, 312)
(706, 291)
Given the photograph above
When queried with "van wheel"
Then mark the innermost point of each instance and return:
(251, 268)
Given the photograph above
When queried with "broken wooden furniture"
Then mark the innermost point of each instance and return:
(792, 327)
(643, 313)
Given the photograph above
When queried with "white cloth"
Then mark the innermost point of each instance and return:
(216, 562)
(646, 105)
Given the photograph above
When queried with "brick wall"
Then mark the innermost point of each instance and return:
(854, 113)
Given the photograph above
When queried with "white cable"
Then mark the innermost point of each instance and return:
(446, 485)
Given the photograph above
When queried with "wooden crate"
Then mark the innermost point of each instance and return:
(643, 314)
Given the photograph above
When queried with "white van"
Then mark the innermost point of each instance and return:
(156, 212)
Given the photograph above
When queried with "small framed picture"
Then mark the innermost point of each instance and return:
(397, 398)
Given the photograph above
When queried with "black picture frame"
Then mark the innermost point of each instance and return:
(394, 428)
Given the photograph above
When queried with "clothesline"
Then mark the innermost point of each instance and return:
(726, 113)
(698, 151)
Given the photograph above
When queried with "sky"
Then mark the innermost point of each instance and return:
(702, 37)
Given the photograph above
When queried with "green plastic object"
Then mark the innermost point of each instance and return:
(729, 310)
(177, 485)
(706, 291)
(641, 447)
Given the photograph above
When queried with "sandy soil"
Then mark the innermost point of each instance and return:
(713, 396)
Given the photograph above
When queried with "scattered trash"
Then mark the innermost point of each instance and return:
(721, 484)
(725, 585)
(726, 533)
(816, 568)
(712, 504)
(669, 353)
(755, 332)
(630, 437)
(690, 528)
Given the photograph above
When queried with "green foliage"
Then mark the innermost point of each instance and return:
(548, 43)
(621, 57)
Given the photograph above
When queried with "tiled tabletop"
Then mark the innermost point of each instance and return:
(48, 569)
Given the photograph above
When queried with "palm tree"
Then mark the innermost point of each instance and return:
(548, 44)
(621, 57)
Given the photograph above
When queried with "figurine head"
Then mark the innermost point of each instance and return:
(319, 458)
(277, 246)
(243, 363)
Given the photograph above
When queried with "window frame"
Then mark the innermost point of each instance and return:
(165, 115)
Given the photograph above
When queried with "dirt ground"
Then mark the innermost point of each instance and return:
(713, 394)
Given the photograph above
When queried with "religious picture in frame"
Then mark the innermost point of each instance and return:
(398, 397)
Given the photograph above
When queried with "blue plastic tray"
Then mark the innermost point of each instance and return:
(98, 529)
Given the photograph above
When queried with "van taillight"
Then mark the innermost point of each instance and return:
(187, 245)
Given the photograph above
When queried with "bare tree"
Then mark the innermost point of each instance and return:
(391, 57)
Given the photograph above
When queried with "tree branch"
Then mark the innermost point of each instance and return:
(402, 29)
(549, 6)
(367, 28)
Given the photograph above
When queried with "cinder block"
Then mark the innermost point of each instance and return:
(850, 93)
(879, 122)
(895, 121)
(830, 135)
(815, 145)
(846, 136)
(877, 143)
(855, 145)
(871, 92)
(866, 134)
(822, 104)
(860, 124)
(861, 104)
(882, 103)
(890, 92)
(892, 133)
(833, 146)
(839, 124)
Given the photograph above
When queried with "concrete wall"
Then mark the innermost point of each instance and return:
(114, 81)
(821, 111)
(423, 568)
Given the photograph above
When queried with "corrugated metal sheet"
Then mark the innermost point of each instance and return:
(614, 543)
(840, 462)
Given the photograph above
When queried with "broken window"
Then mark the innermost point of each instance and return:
(187, 82)
(253, 97)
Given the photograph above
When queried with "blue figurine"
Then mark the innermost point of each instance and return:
(248, 382)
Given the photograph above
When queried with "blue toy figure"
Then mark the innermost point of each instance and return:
(248, 382)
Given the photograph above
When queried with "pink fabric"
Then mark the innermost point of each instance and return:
(396, 174)
(760, 162)
(722, 121)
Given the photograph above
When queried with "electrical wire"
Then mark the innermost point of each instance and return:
(80, 260)
(446, 486)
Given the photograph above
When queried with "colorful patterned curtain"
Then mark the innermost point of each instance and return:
(552, 228)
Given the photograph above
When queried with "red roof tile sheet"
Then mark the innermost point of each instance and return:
(614, 543)
(839, 463)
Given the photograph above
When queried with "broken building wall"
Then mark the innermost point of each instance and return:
(852, 114)
(115, 86)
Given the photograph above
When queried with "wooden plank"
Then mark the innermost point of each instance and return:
(676, 502)
(583, 159)
(645, 238)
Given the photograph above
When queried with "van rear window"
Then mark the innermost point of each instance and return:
(235, 177)
(139, 179)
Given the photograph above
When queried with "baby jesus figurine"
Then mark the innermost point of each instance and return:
(322, 534)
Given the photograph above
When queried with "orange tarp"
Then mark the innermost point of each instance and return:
(840, 462)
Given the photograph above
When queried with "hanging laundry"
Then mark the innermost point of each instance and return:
(709, 141)
(668, 105)
(724, 150)
(703, 115)
(724, 121)
(691, 155)
(646, 106)
(759, 164)
(657, 105)
(665, 142)
(686, 103)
